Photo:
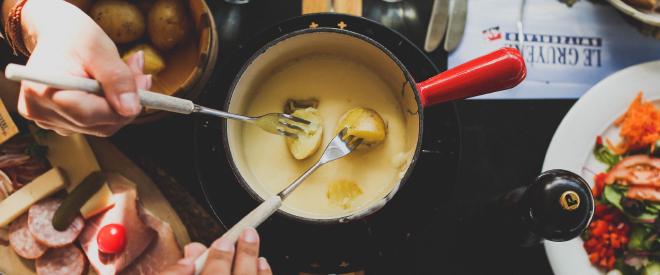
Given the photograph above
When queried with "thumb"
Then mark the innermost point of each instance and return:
(117, 81)
(186, 265)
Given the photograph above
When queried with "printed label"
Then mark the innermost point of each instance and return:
(8, 128)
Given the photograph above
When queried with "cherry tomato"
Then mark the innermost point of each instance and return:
(111, 238)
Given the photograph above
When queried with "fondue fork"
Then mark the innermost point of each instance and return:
(340, 146)
(276, 123)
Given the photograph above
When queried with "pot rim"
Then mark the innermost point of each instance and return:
(376, 204)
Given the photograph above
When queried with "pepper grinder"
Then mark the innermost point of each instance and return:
(557, 206)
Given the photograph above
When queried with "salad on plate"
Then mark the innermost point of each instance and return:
(623, 237)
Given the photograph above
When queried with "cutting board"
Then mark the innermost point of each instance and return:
(111, 160)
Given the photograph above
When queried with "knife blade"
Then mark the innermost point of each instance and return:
(457, 17)
(437, 25)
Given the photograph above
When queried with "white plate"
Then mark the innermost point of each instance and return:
(574, 139)
(648, 17)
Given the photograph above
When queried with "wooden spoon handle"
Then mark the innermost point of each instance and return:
(148, 99)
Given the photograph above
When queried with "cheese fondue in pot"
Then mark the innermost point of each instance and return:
(345, 185)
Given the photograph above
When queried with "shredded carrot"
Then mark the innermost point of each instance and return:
(640, 125)
(618, 149)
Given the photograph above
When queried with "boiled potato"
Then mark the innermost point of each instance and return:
(364, 123)
(307, 143)
(168, 23)
(120, 19)
(342, 193)
(295, 104)
(153, 62)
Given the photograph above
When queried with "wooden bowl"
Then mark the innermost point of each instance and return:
(189, 65)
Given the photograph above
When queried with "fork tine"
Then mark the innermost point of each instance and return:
(296, 119)
(287, 134)
(291, 126)
(356, 143)
(342, 133)
(348, 139)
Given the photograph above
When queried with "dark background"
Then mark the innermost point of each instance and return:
(503, 146)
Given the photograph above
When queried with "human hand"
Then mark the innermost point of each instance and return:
(224, 258)
(63, 39)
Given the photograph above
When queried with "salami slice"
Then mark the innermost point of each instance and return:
(68, 260)
(21, 239)
(40, 223)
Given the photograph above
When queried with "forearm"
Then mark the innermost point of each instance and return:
(34, 16)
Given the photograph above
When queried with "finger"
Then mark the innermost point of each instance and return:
(31, 108)
(55, 128)
(264, 267)
(117, 81)
(32, 104)
(193, 250)
(67, 129)
(221, 256)
(179, 269)
(62, 126)
(80, 108)
(75, 110)
(86, 110)
(63, 133)
(185, 266)
(100, 131)
(247, 252)
(135, 62)
(143, 81)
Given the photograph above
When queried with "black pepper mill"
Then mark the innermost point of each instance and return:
(557, 206)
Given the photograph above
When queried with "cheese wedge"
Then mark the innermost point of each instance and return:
(21, 200)
(98, 203)
(75, 157)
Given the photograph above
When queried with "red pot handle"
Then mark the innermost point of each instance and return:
(496, 71)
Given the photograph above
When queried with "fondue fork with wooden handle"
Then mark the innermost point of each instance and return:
(340, 146)
(276, 123)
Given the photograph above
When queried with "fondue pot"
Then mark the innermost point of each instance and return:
(492, 72)
(387, 236)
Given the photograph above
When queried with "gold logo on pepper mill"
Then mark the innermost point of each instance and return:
(569, 200)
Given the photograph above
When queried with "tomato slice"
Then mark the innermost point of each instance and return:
(111, 238)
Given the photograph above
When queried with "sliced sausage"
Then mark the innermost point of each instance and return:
(40, 223)
(22, 241)
(68, 260)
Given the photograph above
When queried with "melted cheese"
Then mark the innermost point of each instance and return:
(339, 85)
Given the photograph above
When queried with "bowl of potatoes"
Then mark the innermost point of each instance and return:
(178, 38)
